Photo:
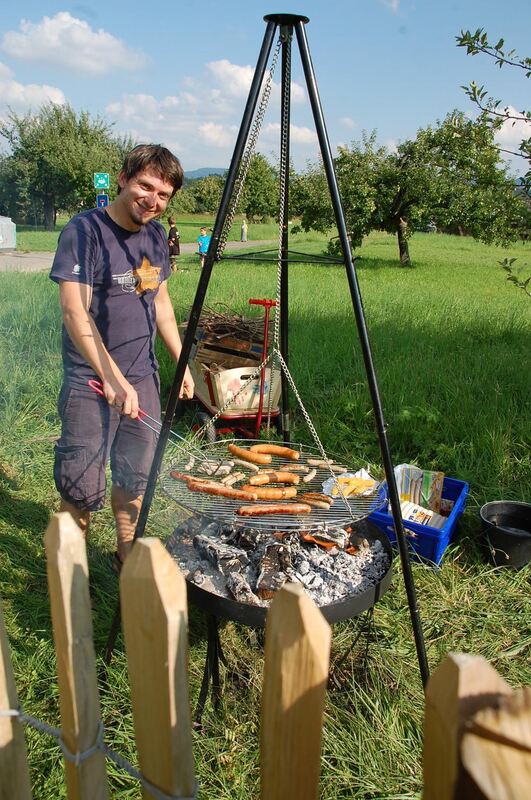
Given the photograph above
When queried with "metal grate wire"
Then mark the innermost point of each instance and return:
(344, 511)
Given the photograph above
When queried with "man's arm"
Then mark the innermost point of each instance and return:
(75, 302)
(169, 333)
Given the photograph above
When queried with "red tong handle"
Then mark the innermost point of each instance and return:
(97, 386)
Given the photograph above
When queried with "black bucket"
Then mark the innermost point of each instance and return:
(507, 529)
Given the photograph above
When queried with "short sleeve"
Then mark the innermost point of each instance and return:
(75, 255)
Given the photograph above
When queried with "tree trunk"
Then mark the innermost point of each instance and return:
(49, 214)
(403, 246)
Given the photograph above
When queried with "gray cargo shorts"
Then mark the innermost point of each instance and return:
(92, 433)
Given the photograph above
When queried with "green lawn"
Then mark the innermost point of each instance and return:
(451, 346)
(35, 238)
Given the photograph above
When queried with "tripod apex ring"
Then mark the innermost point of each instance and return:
(286, 19)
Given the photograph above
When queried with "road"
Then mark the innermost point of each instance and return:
(16, 261)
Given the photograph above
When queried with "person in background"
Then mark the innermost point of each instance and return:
(173, 243)
(203, 241)
(112, 268)
(243, 232)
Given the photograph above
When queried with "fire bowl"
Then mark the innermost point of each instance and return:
(255, 616)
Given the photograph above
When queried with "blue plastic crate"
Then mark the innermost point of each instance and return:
(427, 543)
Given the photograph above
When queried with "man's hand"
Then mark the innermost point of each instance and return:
(187, 387)
(121, 395)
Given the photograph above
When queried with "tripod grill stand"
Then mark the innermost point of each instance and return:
(288, 24)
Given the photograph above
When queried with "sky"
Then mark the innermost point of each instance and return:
(179, 73)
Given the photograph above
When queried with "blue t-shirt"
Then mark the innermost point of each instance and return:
(124, 269)
(203, 242)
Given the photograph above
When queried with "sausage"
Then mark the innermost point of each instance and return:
(246, 455)
(315, 502)
(310, 476)
(259, 479)
(294, 467)
(271, 492)
(180, 476)
(219, 489)
(247, 464)
(276, 450)
(324, 498)
(273, 508)
(273, 477)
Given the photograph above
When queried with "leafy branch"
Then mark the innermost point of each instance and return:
(478, 43)
(514, 275)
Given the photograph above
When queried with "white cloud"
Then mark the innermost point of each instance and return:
(22, 97)
(393, 5)
(512, 132)
(235, 81)
(218, 135)
(348, 122)
(298, 134)
(205, 116)
(71, 43)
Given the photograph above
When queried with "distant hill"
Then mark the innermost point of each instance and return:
(194, 174)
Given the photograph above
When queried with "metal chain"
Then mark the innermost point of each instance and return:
(283, 181)
(282, 221)
(99, 745)
(311, 427)
(250, 147)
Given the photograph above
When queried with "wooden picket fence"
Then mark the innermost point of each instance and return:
(477, 730)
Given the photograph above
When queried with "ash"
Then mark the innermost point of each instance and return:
(249, 566)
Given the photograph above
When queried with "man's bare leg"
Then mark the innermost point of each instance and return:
(126, 508)
(81, 517)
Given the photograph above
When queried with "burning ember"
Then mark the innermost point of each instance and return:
(249, 565)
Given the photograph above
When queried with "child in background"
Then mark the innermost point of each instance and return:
(203, 240)
(173, 243)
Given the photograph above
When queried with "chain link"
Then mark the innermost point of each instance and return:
(246, 158)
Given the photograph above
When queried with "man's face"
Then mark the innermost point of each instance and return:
(143, 197)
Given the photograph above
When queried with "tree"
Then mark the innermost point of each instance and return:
(494, 113)
(449, 173)
(207, 192)
(260, 192)
(54, 155)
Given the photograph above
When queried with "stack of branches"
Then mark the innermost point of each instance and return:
(222, 322)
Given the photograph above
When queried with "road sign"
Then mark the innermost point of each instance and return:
(102, 200)
(101, 180)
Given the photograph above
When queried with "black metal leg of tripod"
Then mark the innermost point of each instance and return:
(359, 314)
(214, 655)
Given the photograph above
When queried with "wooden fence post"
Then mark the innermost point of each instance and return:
(76, 660)
(496, 750)
(14, 771)
(155, 623)
(459, 687)
(297, 654)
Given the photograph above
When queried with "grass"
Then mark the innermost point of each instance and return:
(450, 340)
(35, 238)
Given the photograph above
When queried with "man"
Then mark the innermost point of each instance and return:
(203, 241)
(112, 268)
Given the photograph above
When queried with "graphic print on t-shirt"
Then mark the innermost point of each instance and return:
(145, 278)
